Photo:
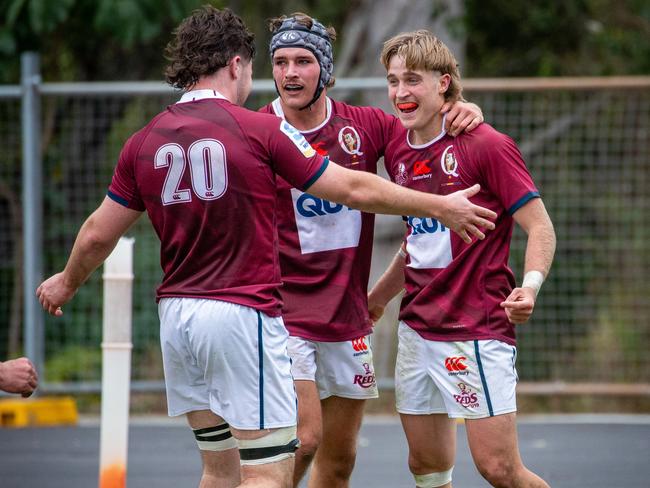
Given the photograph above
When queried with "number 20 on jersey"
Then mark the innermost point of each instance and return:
(208, 171)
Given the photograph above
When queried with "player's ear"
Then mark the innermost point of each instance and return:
(443, 83)
(235, 67)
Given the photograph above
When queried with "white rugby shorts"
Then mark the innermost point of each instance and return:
(342, 369)
(468, 379)
(227, 358)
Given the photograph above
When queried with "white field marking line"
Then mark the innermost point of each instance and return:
(161, 420)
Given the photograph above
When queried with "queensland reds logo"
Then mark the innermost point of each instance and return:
(448, 162)
(401, 177)
(350, 141)
(467, 397)
(367, 379)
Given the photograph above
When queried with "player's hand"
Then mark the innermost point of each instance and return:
(18, 376)
(461, 116)
(465, 218)
(375, 309)
(53, 293)
(519, 305)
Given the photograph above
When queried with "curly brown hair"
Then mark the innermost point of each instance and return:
(205, 42)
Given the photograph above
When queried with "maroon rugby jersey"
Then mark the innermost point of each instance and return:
(326, 248)
(204, 170)
(453, 290)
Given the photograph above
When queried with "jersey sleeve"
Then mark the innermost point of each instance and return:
(267, 109)
(123, 188)
(292, 157)
(503, 171)
(384, 127)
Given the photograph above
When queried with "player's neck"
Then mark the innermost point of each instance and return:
(223, 84)
(308, 118)
(427, 132)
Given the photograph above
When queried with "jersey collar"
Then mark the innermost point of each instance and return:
(194, 95)
(442, 134)
(277, 110)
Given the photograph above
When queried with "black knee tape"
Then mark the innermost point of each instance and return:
(218, 438)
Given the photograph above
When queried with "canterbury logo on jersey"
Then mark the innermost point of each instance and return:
(318, 147)
(421, 168)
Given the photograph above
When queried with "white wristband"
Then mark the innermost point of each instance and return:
(401, 253)
(533, 279)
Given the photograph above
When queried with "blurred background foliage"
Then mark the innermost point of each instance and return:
(118, 40)
(99, 40)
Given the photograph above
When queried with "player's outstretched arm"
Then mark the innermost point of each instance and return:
(95, 241)
(370, 193)
(461, 116)
(388, 286)
(18, 376)
(540, 249)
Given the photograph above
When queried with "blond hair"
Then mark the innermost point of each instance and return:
(421, 50)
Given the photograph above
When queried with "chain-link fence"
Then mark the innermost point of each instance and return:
(587, 145)
(585, 142)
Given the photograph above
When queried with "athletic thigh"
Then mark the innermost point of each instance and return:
(341, 424)
(223, 463)
(493, 439)
(431, 440)
(267, 456)
(310, 430)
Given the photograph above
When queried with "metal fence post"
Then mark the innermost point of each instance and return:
(32, 198)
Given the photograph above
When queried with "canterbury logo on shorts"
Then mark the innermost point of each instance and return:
(456, 365)
(359, 344)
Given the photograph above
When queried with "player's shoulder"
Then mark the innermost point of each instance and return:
(267, 109)
(358, 112)
(372, 122)
(260, 120)
(484, 131)
(483, 138)
(138, 138)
